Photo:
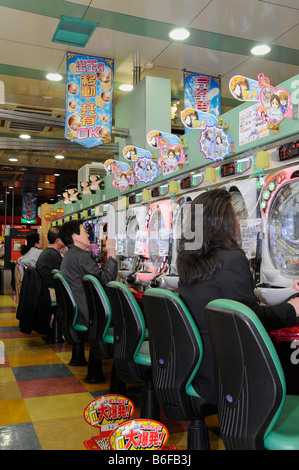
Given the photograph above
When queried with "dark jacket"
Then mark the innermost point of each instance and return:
(77, 263)
(34, 309)
(48, 260)
(233, 281)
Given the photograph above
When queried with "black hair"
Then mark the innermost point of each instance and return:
(68, 229)
(31, 239)
(220, 229)
(53, 234)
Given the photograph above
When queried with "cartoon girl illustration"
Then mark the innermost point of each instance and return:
(171, 160)
(192, 116)
(209, 141)
(284, 101)
(274, 112)
(123, 182)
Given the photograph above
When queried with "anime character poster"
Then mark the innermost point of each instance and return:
(193, 119)
(244, 89)
(202, 93)
(170, 149)
(275, 102)
(145, 169)
(214, 143)
(123, 174)
(89, 99)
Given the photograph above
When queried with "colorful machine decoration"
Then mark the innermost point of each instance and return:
(214, 143)
(139, 434)
(170, 149)
(193, 119)
(89, 99)
(106, 413)
(202, 93)
(123, 174)
(244, 89)
(145, 169)
(275, 103)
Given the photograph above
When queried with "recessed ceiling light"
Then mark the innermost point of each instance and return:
(126, 87)
(262, 49)
(179, 34)
(13, 159)
(56, 174)
(25, 136)
(54, 77)
(59, 157)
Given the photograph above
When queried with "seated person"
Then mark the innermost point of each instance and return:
(50, 259)
(78, 261)
(31, 250)
(218, 268)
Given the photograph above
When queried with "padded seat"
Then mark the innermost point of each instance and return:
(176, 353)
(131, 350)
(254, 411)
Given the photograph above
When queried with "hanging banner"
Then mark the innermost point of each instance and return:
(202, 93)
(29, 207)
(89, 99)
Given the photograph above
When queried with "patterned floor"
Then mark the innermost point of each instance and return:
(42, 397)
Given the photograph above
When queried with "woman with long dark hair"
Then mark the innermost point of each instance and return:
(218, 268)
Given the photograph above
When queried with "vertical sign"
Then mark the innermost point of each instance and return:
(89, 99)
(29, 207)
(202, 93)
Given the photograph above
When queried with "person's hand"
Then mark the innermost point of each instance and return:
(295, 303)
(110, 247)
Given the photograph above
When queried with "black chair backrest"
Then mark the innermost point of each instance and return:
(68, 309)
(99, 316)
(128, 330)
(176, 351)
(248, 373)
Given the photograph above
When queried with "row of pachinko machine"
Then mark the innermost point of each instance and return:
(148, 233)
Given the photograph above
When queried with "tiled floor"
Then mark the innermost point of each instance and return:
(42, 398)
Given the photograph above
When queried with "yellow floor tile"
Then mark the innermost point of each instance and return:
(13, 411)
(57, 406)
(7, 301)
(6, 375)
(72, 432)
(9, 391)
(32, 359)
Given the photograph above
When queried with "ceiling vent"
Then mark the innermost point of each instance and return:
(74, 32)
(29, 124)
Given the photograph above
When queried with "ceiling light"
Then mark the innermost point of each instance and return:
(47, 182)
(59, 157)
(40, 189)
(25, 136)
(56, 174)
(54, 77)
(179, 34)
(13, 159)
(262, 49)
(126, 87)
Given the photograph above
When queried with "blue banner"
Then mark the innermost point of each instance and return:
(89, 99)
(202, 93)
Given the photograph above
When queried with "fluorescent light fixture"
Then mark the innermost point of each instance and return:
(179, 34)
(47, 182)
(13, 159)
(54, 77)
(125, 87)
(25, 136)
(262, 49)
(59, 157)
(56, 174)
(40, 189)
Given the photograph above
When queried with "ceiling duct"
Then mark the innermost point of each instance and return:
(28, 123)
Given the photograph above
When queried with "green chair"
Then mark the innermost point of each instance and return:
(131, 349)
(73, 332)
(176, 352)
(253, 409)
(100, 331)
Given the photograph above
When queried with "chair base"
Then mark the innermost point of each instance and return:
(117, 387)
(198, 435)
(150, 407)
(95, 370)
(78, 355)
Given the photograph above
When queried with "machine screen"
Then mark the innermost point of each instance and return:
(284, 229)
